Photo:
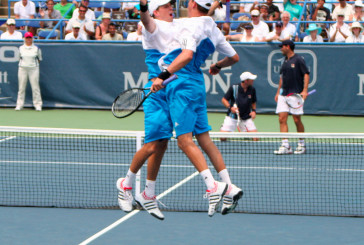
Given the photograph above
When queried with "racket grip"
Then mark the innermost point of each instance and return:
(170, 79)
(312, 91)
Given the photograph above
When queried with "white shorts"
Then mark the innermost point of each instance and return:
(283, 107)
(230, 125)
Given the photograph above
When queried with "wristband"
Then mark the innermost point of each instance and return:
(218, 67)
(164, 74)
(144, 8)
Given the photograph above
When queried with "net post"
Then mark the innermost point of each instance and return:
(137, 177)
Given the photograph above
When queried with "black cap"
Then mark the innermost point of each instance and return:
(287, 42)
(279, 23)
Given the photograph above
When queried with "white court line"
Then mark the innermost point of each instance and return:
(129, 215)
(9, 138)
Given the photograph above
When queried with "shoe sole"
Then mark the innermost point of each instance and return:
(141, 207)
(236, 198)
(218, 203)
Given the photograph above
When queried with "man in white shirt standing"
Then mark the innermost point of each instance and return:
(75, 34)
(11, 33)
(260, 28)
(90, 14)
(86, 25)
(24, 9)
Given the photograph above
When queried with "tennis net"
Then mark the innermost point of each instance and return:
(78, 169)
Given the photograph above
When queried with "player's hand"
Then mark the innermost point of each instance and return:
(157, 85)
(253, 114)
(304, 94)
(276, 97)
(234, 110)
(213, 70)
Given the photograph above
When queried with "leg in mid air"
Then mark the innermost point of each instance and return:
(215, 190)
(233, 193)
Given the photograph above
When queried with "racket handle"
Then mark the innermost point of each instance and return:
(170, 79)
(312, 91)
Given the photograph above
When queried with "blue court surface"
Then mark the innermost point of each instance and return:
(21, 225)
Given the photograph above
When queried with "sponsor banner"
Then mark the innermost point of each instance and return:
(90, 75)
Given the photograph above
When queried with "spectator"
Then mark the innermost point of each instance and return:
(356, 37)
(293, 8)
(264, 16)
(240, 99)
(135, 12)
(86, 25)
(247, 36)
(288, 28)
(320, 13)
(112, 35)
(358, 14)
(260, 28)
(218, 13)
(11, 33)
(126, 6)
(246, 7)
(90, 14)
(340, 30)
(63, 7)
(24, 9)
(136, 35)
(313, 36)
(103, 28)
(76, 34)
(30, 55)
(343, 7)
(50, 13)
(277, 34)
(273, 10)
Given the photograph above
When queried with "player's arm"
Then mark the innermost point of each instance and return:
(178, 63)
(279, 89)
(253, 113)
(225, 62)
(145, 17)
(306, 80)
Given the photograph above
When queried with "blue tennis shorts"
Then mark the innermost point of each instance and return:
(157, 120)
(187, 105)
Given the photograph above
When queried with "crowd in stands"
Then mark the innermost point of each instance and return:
(253, 21)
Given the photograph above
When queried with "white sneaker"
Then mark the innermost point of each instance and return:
(283, 150)
(125, 197)
(301, 149)
(18, 108)
(38, 108)
(230, 199)
(215, 195)
(149, 204)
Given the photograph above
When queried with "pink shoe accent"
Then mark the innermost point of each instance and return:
(146, 197)
(125, 187)
(213, 189)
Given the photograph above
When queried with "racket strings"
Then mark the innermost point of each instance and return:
(294, 101)
(128, 102)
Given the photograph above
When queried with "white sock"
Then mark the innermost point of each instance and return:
(225, 177)
(208, 178)
(301, 142)
(150, 188)
(129, 179)
(285, 143)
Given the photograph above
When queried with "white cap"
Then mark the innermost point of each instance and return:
(356, 24)
(106, 16)
(10, 22)
(358, 3)
(154, 4)
(76, 24)
(255, 12)
(247, 75)
(204, 3)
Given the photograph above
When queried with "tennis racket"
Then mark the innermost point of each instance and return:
(130, 100)
(236, 92)
(296, 101)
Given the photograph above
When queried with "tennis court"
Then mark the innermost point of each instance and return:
(78, 169)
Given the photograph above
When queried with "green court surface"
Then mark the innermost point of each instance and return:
(103, 119)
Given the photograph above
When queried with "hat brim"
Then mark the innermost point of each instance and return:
(319, 30)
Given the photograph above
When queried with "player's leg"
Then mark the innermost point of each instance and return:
(233, 193)
(229, 125)
(250, 127)
(282, 110)
(34, 83)
(301, 147)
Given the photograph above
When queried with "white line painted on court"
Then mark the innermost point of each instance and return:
(131, 214)
(8, 138)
